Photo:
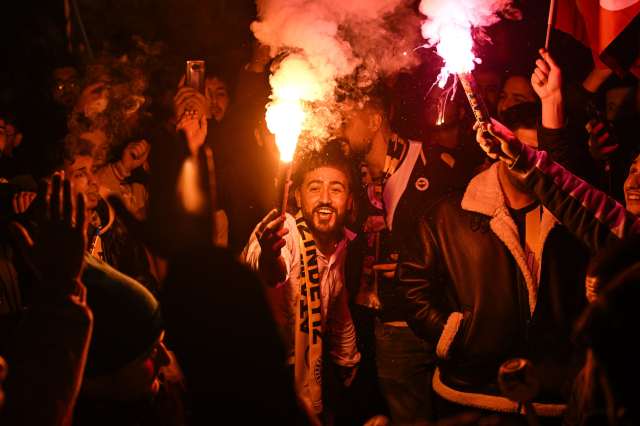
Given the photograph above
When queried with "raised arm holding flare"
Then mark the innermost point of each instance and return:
(596, 219)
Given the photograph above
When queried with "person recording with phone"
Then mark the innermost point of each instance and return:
(241, 169)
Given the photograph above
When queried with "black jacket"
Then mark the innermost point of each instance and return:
(466, 262)
(430, 176)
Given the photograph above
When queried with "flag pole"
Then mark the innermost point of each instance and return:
(550, 23)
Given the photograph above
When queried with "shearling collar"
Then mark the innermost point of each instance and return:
(485, 195)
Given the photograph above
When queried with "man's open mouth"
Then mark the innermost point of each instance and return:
(324, 213)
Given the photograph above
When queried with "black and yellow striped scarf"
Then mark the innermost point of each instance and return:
(308, 331)
(396, 152)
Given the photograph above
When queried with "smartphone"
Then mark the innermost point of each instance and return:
(593, 114)
(195, 75)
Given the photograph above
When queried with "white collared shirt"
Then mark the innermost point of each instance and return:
(336, 318)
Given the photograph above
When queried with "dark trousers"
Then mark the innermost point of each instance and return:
(405, 370)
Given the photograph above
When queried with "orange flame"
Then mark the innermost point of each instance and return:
(284, 119)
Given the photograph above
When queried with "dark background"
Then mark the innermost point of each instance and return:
(33, 35)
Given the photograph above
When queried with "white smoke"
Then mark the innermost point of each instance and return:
(324, 41)
(451, 25)
(464, 15)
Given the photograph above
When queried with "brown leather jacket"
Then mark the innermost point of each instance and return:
(469, 292)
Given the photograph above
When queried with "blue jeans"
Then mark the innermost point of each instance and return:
(405, 369)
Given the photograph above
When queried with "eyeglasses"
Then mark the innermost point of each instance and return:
(69, 84)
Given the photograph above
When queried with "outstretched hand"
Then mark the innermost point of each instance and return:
(57, 252)
(510, 146)
(135, 154)
(195, 130)
(270, 238)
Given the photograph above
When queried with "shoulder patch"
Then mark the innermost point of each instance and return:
(422, 184)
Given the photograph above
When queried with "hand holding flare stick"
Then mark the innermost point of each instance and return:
(477, 104)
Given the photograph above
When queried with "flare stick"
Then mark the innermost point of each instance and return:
(477, 103)
(282, 187)
(552, 10)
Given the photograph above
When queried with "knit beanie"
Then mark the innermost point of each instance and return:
(126, 318)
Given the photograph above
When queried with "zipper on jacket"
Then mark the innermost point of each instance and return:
(525, 312)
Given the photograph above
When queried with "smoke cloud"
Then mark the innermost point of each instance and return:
(451, 25)
(320, 42)
(465, 15)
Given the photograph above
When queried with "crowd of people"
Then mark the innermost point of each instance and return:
(146, 278)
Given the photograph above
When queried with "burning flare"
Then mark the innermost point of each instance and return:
(284, 119)
(449, 27)
(455, 48)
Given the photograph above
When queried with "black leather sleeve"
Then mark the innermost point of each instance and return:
(420, 279)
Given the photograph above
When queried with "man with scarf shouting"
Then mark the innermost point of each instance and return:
(302, 263)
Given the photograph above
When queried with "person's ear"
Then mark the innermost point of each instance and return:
(350, 201)
(375, 122)
(298, 198)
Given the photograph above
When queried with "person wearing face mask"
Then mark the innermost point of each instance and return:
(451, 132)
(595, 218)
(516, 90)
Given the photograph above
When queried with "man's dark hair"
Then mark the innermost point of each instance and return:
(63, 61)
(214, 68)
(375, 96)
(619, 83)
(330, 156)
(379, 99)
(633, 154)
(53, 156)
(524, 115)
(10, 117)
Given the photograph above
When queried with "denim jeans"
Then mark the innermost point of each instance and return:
(405, 369)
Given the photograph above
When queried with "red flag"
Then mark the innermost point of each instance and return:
(610, 28)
